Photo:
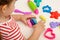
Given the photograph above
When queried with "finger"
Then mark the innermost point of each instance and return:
(25, 22)
(42, 22)
(43, 26)
(31, 16)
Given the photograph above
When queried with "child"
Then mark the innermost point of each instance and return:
(9, 29)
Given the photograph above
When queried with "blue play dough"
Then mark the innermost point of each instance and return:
(33, 21)
(47, 9)
(37, 2)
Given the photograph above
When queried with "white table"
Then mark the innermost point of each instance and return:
(26, 31)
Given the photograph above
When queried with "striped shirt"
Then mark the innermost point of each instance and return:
(10, 30)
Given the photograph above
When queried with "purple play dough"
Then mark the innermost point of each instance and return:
(54, 24)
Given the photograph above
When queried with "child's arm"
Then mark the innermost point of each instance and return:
(38, 29)
(35, 35)
(17, 17)
(22, 18)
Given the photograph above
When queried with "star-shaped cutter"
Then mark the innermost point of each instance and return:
(47, 9)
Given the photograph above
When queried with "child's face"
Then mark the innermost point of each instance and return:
(9, 8)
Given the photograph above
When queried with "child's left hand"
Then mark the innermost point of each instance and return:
(24, 18)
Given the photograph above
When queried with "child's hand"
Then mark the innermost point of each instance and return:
(24, 18)
(39, 27)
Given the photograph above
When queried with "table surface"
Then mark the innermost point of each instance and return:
(26, 31)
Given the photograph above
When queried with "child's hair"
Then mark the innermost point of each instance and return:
(4, 2)
(0, 36)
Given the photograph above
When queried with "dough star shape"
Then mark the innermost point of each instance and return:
(54, 15)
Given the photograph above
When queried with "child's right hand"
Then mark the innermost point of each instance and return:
(39, 27)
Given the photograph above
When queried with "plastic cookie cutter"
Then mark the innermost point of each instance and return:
(55, 14)
(33, 7)
(54, 24)
(19, 11)
(31, 22)
(37, 2)
(47, 9)
(42, 18)
(52, 34)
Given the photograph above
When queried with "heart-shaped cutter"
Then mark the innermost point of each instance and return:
(49, 30)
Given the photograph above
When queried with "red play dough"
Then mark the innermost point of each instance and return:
(54, 15)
